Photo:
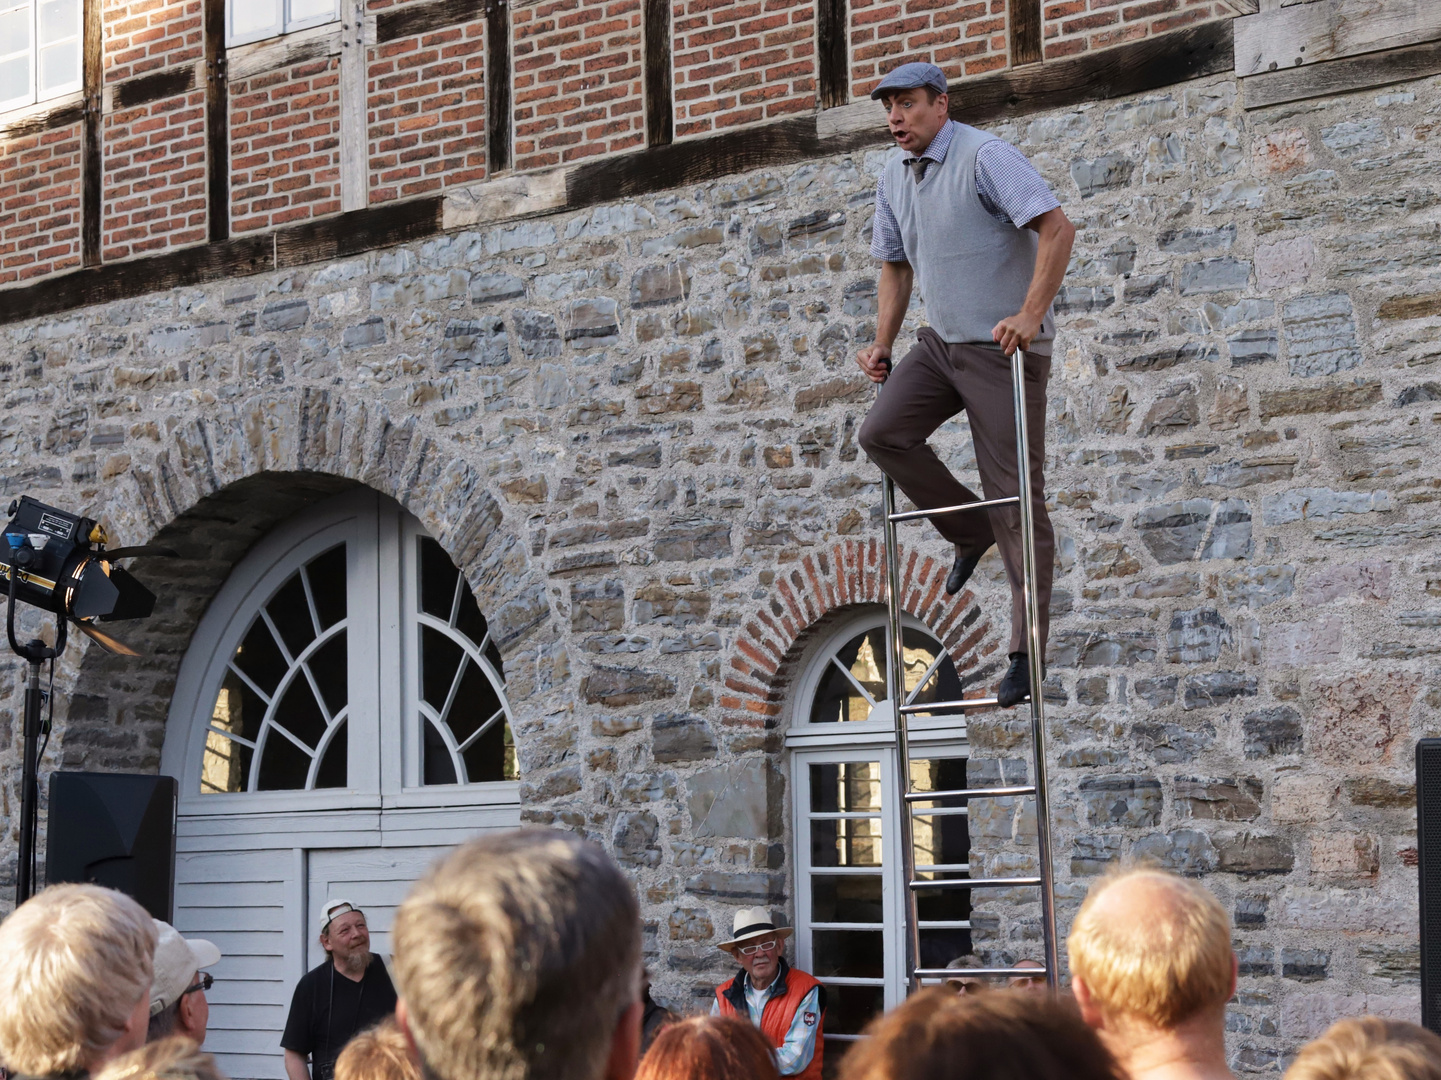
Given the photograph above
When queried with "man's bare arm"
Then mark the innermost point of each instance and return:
(1053, 255)
(894, 296)
(295, 1066)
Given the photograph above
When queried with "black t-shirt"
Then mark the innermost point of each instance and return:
(321, 1029)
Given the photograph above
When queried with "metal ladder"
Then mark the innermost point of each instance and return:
(895, 687)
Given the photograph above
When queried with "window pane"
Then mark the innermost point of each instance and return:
(942, 685)
(438, 766)
(290, 612)
(260, 658)
(437, 580)
(943, 905)
(283, 765)
(332, 771)
(238, 709)
(851, 953)
(58, 19)
(940, 947)
(327, 585)
(226, 766)
(846, 842)
(837, 700)
(328, 667)
(299, 714)
(848, 898)
(440, 660)
(849, 786)
(850, 1008)
(59, 67)
(14, 29)
(251, 17)
(305, 10)
(15, 78)
(492, 756)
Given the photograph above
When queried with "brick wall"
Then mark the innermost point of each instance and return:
(39, 204)
(1074, 26)
(153, 193)
(742, 61)
(425, 111)
(577, 80)
(142, 36)
(285, 145)
(966, 38)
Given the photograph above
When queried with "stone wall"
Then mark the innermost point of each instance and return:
(634, 428)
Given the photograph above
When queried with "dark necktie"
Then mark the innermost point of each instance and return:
(918, 167)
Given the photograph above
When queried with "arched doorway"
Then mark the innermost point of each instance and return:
(339, 720)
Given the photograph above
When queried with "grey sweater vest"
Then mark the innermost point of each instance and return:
(973, 270)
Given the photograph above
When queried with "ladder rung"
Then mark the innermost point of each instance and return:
(963, 703)
(979, 973)
(970, 793)
(984, 504)
(978, 883)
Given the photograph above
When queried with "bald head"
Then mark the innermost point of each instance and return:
(1152, 947)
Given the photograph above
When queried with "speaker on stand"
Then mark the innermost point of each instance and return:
(117, 830)
(1428, 847)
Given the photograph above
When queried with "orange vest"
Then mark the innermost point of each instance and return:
(787, 993)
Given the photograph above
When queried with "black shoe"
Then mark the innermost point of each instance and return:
(961, 571)
(1016, 686)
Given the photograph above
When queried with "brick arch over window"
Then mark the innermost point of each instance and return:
(225, 479)
(851, 572)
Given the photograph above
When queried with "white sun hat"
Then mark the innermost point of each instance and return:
(753, 922)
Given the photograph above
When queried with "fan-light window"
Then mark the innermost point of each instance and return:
(256, 20)
(40, 50)
(853, 681)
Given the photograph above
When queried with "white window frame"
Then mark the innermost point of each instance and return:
(382, 663)
(34, 95)
(866, 740)
(283, 22)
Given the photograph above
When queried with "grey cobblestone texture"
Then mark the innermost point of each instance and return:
(628, 425)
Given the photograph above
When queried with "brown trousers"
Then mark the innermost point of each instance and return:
(934, 382)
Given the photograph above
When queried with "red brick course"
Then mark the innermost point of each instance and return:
(153, 168)
(1077, 26)
(142, 36)
(40, 204)
(577, 86)
(285, 146)
(962, 38)
(741, 62)
(425, 112)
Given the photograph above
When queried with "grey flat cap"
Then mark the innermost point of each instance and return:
(908, 77)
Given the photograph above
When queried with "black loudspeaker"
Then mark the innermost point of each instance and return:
(1428, 846)
(117, 830)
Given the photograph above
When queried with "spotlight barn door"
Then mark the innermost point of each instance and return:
(1428, 844)
(117, 830)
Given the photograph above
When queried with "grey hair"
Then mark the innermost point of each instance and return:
(164, 1022)
(516, 957)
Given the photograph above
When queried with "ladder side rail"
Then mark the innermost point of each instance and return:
(895, 690)
(1033, 649)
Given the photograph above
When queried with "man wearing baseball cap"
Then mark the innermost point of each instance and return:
(789, 1006)
(177, 989)
(346, 994)
(969, 216)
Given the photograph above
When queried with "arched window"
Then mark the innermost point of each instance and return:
(849, 887)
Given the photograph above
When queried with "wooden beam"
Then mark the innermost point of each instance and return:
(124, 280)
(217, 122)
(91, 165)
(1342, 76)
(354, 135)
(1025, 32)
(247, 61)
(133, 93)
(363, 230)
(833, 62)
(423, 18)
(69, 110)
(659, 105)
(1293, 37)
(497, 86)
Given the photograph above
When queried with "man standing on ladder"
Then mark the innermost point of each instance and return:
(971, 216)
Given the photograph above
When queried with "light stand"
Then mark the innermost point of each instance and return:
(35, 654)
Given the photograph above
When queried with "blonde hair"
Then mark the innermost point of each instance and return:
(173, 1058)
(380, 1053)
(516, 957)
(74, 962)
(1163, 969)
(1370, 1048)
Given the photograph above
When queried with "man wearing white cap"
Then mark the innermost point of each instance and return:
(177, 989)
(348, 993)
(789, 1006)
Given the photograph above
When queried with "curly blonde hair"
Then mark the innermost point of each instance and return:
(379, 1053)
(1370, 1048)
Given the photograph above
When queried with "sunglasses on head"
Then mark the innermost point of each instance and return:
(751, 950)
(203, 981)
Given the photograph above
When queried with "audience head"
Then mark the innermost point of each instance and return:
(345, 935)
(709, 1048)
(173, 1058)
(75, 964)
(963, 983)
(380, 1053)
(937, 1035)
(518, 956)
(1370, 1048)
(757, 944)
(1150, 950)
(177, 988)
(1031, 984)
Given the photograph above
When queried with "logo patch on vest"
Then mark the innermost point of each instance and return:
(810, 1019)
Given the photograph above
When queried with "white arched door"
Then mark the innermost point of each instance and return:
(339, 721)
